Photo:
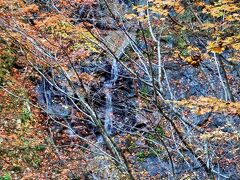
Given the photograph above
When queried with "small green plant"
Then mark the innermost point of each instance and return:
(181, 44)
(40, 147)
(151, 136)
(16, 168)
(7, 60)
(130, 144)
(144, 90)
(141, 156)
(36, 161)
(6, 176)
(185, 53)
(160, 131)
(132, 147)
(32, 159)
(155, 152)
(25, 115)
(146, 33)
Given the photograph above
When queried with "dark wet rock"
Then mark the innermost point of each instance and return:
(217, 121)
(200, 120)
(185, 81)
(59, 110)
(154, 166)
(47, 96)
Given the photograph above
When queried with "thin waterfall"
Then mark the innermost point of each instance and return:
(108, 123)
(108, 109)
(114, 71)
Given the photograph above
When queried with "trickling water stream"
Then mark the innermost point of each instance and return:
(114, 71)
(108, 122)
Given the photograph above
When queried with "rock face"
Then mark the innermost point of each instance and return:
(112, 93)
(54, 101)
(114, 97)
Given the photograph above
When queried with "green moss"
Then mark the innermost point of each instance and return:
(7, 60)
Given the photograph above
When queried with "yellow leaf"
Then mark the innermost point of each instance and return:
(214, 47)
(217, 49)
(208, 25)
(236, 46)
(130, 16)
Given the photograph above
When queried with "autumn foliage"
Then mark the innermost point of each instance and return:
(164, 50)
